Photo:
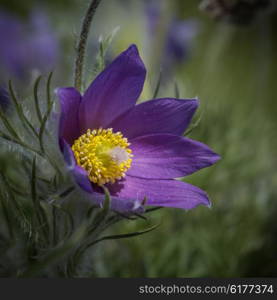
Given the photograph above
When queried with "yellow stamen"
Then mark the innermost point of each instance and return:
(103, 154)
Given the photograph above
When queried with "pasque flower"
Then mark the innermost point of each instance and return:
(136, 151)
(26, 46)
(179, 34)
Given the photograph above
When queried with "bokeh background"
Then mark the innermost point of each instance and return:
(230, 64)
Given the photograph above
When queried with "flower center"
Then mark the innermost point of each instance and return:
(103, 154)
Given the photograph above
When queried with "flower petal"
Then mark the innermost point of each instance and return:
(170, 193)
(118, 204)
(79, 174)
(67, 154)
(81, 177)
(167, 115)
(69, 122)
(166, 156)
(114, 91)
(97, 197)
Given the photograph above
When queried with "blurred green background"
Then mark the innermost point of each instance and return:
(232, 70)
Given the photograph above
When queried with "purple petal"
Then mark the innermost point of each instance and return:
(114, 91)
(68, 154)
(80, 175)
(69, 122)
(81, 178)
(156, 116)
(170, 193)
(97, 196)
(166, 156)
(117, 204)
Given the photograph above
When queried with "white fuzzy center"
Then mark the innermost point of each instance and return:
(119, 155)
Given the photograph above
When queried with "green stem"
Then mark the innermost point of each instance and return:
(81, 48)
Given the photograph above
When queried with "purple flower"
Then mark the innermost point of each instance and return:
(179, 34)
(179, 38)
(136, 151)
(26, 47)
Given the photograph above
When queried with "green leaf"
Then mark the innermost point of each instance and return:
(39, 218)
(176, 90)
(43, 126)
(103, 48)
(3, 135)
(38, 111)
(106, 42)
(15, 206)
(156, 92)
(153, 209)
(25, 122)
(57, 254)
(193, 126)
(18, 142)
(66, 192)
(123, 236)
(8, 125)
(103, 212)
(6, 214)
(48, 92)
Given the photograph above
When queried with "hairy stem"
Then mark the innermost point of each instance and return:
(81, 47)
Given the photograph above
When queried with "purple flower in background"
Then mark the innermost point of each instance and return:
(136, 151)
(179, 34)
(179, 37)
(26, 46)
